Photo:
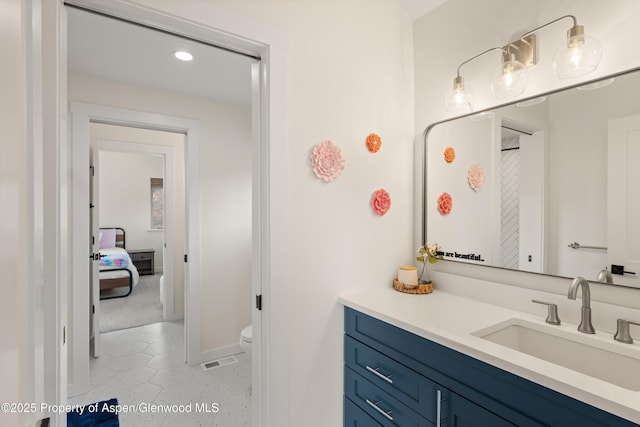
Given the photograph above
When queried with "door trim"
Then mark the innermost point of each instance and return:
(81, 115)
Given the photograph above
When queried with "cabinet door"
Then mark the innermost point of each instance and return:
(460, 412)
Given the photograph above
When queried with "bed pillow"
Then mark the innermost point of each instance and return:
(107, 238)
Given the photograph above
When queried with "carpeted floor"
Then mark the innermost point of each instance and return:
(142, 307)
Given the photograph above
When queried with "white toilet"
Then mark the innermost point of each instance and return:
(246, 338)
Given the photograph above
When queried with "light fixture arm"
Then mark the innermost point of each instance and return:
(528, 33)
(477, 56)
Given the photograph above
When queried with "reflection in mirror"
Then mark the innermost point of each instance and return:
(550, 185)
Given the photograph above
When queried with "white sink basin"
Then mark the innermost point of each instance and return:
(612, 362)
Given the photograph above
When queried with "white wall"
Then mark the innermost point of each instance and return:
(125, 198)
(225, 197)
(480, 25)
(350, 74)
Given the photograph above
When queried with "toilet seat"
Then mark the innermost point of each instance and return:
(247, 334)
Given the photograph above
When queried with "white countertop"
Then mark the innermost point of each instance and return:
(450, 320)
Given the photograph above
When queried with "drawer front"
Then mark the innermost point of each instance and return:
(356, 417)
(414, 390)
(141, 256)
(381, 406)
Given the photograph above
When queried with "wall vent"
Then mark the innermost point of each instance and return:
(218, 363)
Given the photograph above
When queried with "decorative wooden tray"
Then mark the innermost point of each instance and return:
(421, 289)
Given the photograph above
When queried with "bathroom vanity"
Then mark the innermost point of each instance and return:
(436, 361)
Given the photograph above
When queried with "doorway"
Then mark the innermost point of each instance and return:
(134, 167)
(269, 139)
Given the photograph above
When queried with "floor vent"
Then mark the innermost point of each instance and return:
(218, 363)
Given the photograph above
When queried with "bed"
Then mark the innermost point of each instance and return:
(116, 268)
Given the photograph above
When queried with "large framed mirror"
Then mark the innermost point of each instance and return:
(548, 185)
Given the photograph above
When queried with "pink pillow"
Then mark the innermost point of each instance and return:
(108, 238)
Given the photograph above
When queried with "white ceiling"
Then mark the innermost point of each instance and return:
(115, 50)
(416, 8)
(111, 49)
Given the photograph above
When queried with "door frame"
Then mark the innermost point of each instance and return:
(81, 115)
(270, 162)
(167, 153)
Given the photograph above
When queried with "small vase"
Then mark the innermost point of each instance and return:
(424, 278)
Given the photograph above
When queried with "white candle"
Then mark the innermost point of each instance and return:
(408, 275)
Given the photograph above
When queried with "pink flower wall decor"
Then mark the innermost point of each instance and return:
(380, 201)
(327, 161)
(475, 176)
(445, 203)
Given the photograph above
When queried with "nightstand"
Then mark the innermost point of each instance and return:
(143, 259)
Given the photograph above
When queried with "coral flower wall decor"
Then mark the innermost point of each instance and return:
(449, 154)
(475, 176)
(327, 161)
(380, 201)
(445, 203)
(373, 143)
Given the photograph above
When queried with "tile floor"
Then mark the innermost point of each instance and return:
(144, 366)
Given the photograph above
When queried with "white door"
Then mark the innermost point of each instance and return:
(532, 155)
(623, 204)
(94, 241)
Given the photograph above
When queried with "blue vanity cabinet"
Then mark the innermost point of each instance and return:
(356, 417)
(392, 373)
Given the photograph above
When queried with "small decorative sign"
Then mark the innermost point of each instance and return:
(471, 257)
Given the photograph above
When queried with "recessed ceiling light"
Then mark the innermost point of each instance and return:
(183, 55)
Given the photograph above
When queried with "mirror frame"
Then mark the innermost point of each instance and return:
(423, 175)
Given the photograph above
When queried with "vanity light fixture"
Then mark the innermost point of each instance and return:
(461, 99)
(579, 56)
(183, 55)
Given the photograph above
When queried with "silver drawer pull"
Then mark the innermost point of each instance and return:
(438, 408)
(375, 406)
(376, 371)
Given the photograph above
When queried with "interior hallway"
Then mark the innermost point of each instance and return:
(145, 366)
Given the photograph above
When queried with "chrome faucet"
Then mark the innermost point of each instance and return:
(585, 315)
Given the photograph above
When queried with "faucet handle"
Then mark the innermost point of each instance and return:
(622, 332)
(552, 312)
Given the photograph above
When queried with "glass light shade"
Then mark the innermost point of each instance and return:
(580, 56)
(460, 100)
(509, 79)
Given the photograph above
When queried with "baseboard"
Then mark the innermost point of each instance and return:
(207, 356)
